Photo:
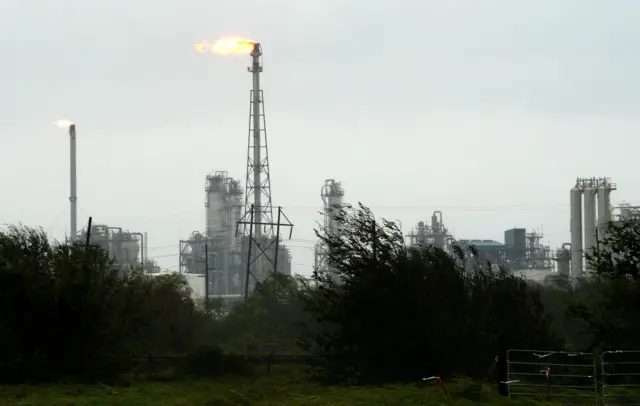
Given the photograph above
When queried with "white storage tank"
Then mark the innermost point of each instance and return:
(196, 283)
(604, 206)
(563, 256)
(130, 253)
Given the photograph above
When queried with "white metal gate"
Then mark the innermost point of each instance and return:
(547, 375)
(620, 378)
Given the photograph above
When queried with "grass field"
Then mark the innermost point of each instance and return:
(283, 388)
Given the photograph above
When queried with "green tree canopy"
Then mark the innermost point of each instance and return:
(67, 311)
(611, 311)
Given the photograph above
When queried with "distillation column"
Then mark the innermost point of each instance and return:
(332, 195)
(604, 205)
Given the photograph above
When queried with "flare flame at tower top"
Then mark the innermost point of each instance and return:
(258, 189)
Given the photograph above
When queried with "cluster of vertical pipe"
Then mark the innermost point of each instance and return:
(592, 221)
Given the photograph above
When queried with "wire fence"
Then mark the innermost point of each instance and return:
(548, 375)
(611, 378)
(620, 371)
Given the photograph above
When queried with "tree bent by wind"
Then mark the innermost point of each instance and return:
(384, 311)
(67, 312)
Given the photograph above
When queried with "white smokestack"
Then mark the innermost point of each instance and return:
(73, 197)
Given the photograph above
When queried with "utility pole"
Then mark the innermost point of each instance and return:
(88, 240)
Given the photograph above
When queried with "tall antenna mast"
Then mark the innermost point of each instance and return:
(258, 190)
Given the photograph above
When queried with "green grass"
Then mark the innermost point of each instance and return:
(283, 388)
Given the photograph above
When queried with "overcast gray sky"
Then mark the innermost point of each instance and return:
(486, 110)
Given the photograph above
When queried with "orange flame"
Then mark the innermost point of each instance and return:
(226, 46)
(63, 123)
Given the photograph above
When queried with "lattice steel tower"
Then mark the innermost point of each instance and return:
(258, 189)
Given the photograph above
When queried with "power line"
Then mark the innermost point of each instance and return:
(165, 256)
(317, 208)
(450, 207)
(160, 247)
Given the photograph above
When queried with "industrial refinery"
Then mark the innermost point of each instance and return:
(240, 244)
(435, 233)
(223, 248)
(521, 251)
(128, 249)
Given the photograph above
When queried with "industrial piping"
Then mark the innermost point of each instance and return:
(590, 240)
(576, 230)
(142, 247)
(73, 198)
(594, 190)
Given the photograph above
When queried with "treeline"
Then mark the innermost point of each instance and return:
(381, 312)
(67, 312)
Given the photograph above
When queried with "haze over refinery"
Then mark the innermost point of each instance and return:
(485, 114)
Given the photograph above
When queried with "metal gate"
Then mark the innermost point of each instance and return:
(553, 374)
(620, 377)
